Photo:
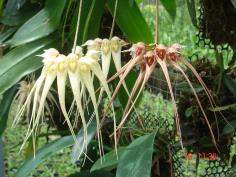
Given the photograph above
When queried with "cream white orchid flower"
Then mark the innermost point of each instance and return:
(89, 65)
(80, 69)
(111, 49)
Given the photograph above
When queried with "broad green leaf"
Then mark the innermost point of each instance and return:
(92, 24)
(42, 24)
(20, 15)
(109, 161)
(234, 3)
(229, 128)
(170, 6)
(1, 6)
(5, 107)
(137, 159)
(131, 2)
(6, 34)
(42, 154)
(13, 5)
(184, 87)
(192, 11)
(131, 21)
(99, 173)
(20, 62)
(230, 84)
(77, 148)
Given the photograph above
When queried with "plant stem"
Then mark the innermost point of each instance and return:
(77, 26)
(157, 12)
(114, 20)
(219, 60)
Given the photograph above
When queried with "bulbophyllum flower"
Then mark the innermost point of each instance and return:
(172, 56)
(111, 49)
(81, 70)
(146, 57)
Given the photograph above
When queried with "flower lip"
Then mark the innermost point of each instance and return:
(106, 46)
(172, 54)
(72, 61)
(160, 51)
(139, 48)
(149, 58)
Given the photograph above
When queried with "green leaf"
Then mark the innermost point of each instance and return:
(137, 159)
(42, 24)
(230, 84)
(92, 24)
(19, 16)
(77, 148)
(184, 87)
(42, 154)
(234, 3)
(188, 112)
(192, 11)
(170, 6)
(13, 5)
(20, 62)
(229, 128)
(131, 21)
(5, 35)
(131, 2)
(109, 161)
(99, 173)
(5, 107)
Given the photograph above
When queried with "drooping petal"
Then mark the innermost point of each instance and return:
(116, 44)
(198, 101)
(147, 74)
(34, 122)
(106, 56)
(167, 77)
(86, 79)
(75, 85)
(61, 84)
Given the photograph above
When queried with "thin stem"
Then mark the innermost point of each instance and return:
(157, 11)
(219, 59)
(77, 26)
(114, 20)
(64, 24)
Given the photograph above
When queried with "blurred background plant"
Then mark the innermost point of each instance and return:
(29, 26)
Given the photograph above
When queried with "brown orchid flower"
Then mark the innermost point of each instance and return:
(146, 58)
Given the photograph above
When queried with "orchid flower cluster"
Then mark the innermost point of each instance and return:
(79, 70)
(147, 57)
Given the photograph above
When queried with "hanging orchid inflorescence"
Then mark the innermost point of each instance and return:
(79, 69)
(147, 57)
